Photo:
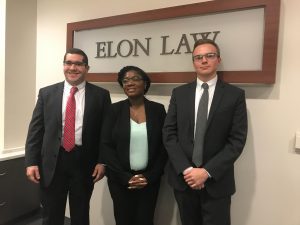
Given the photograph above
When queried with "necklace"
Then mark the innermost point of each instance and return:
(138, 114)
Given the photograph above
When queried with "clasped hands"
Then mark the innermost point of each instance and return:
(138, 181)
(195, 177)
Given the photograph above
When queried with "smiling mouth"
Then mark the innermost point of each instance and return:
(73, 73)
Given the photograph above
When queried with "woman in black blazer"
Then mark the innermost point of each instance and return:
(133, 150)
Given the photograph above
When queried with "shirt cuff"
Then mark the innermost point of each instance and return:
(187, 170)
(207, 173)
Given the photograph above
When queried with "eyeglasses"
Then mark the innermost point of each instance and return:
(77, 64)
(208, 56)
(133, 79)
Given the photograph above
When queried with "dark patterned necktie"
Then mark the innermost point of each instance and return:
(200, 127)
(69, 128)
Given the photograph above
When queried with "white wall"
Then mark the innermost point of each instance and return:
(2, 69)
(17, 71)
(20, 70)
(267, 174)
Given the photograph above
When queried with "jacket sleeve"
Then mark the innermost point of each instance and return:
(105, 106)
(35, 134)
(109, 148)
(234, 143)
(177, 156)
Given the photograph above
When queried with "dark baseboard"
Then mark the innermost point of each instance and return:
(32, 218)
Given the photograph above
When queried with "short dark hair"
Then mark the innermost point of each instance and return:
(207, 41)
(78, 52)
(139, 71)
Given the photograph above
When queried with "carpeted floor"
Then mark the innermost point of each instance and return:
(33, 219)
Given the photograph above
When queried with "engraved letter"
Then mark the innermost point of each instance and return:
(130, 48)
(138, 43)
(183, 42)
(100, 48)
(165, 46)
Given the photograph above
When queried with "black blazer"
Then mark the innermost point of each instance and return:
(45, 129)
(116, 139)
(224, 139)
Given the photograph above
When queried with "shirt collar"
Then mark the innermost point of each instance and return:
(210, 83)
(80, 86)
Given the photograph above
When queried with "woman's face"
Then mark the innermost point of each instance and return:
(133, 84)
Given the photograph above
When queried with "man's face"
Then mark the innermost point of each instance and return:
(74, 69)
(207, 65)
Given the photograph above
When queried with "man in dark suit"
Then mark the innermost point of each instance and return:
(64, 159)
(203, 191)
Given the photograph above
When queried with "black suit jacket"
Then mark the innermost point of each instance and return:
(45, 129)
(224, 139)
(116, 139)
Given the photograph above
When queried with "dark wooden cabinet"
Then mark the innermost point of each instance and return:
(18, 196)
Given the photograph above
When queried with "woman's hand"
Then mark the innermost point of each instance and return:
(138, 181)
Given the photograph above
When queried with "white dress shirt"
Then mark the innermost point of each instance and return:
(199, 91)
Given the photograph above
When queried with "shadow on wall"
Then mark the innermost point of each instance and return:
(106, 213)
(166, 208)
(245, 177)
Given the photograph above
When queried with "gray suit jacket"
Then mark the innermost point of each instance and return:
(45, 129)
(224, 139)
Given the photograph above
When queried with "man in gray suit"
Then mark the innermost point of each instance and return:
(67, 164)
(203, 187)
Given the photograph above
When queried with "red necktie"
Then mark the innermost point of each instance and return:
(69, 129)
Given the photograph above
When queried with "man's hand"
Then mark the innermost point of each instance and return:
(196, 177)
(137, 181)
(99, 172)
(33, 174)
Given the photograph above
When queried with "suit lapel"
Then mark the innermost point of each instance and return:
(87, 105)
(219, 90)
(58, 96)
(191, 104)
(149, 119)
(124, 128)
(125, 119)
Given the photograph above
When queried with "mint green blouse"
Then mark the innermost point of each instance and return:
(138, 145)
